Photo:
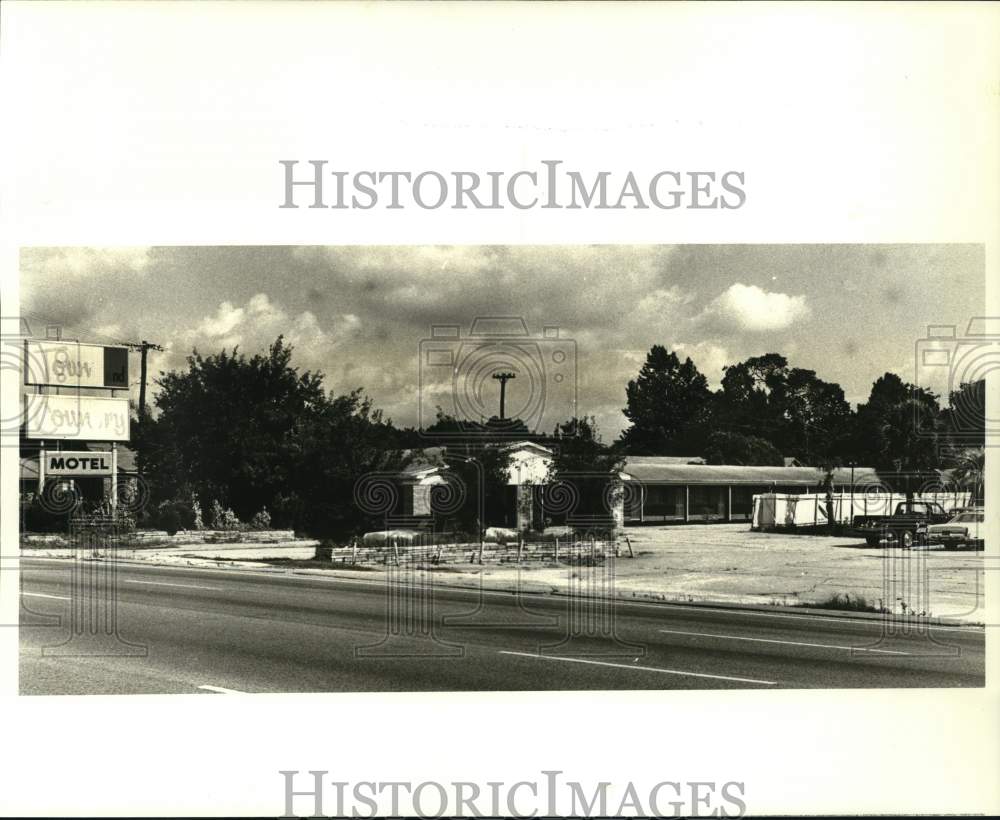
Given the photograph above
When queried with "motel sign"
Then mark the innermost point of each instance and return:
(85, 463)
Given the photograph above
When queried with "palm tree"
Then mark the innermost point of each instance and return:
(828, 467)
(969, 465)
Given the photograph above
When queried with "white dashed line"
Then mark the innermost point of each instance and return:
(642, 668)
(43, 595)
(165, 584)
(775, 640)
(222, 690)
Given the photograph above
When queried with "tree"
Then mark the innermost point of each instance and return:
(471, 436)
(255, 432)
(735, 448)
(963, 422)
(968, 470)
(897, 432)
(346, 441)
(473, 493)
(802, 415)
(585, 473)
(816, 416)
(669, 405)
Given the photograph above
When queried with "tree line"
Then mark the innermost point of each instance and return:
(766, 410)
(255, 438)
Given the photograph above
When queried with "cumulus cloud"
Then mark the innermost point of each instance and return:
(575, 287)
(66, 286)
(84, 262)
(749, 307)
(255, 325)
(358, 314)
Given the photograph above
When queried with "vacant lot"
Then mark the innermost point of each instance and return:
(728, 562)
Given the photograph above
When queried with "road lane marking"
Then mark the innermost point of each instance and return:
(775, 640)
(642, 668)
(165, 584)
(222, 690)
(43, 595)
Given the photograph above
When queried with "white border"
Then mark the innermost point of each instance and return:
(135, 123)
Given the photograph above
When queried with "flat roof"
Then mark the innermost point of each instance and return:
(659, 470)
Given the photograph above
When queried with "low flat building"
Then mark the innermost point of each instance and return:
(654, 489)
(662, 490)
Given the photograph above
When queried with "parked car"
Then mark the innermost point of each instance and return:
(963, 531)
(906, 526)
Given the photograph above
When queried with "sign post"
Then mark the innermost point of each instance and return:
(114, 477)
(41, 468)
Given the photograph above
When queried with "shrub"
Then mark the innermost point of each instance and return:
(169, 517)
(175, 514)
(37, 517)
(215, 515)
(199, 523)
(261, 521)
(846, 601)
(224, 518)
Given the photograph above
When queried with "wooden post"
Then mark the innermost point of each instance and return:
(642, 503)
(630, 553)
(729, 503)
(354, 550)
(557, 548)
(520, 546)
(687, 503)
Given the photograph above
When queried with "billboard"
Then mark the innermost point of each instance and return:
(73, 364)
(82, 463)
(79, 418)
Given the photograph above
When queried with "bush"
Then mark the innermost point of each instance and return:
(37, 517)
(261, 521)
(224, 518)
(174, 515)
(847, 602)
(199, 523)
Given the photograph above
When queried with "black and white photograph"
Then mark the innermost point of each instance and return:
(499, 409)
(502, 467)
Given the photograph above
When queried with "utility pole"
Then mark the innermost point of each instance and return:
(503, 378)
(143, 347)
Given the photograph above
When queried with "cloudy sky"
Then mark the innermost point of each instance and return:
(849, 312)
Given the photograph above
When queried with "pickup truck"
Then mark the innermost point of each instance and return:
(906, 526)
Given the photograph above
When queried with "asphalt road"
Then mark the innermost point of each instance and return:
(155, 629)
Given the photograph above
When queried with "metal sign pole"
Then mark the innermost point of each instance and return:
(41, 467)
(114, 476)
